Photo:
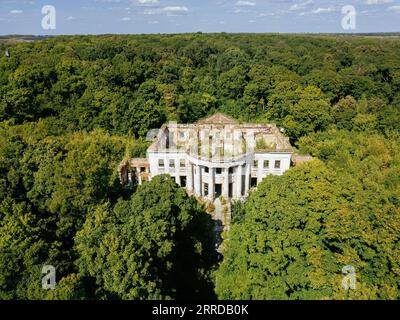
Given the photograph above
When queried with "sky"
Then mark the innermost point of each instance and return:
(181, 16)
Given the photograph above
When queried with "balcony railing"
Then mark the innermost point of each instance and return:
(223, 159)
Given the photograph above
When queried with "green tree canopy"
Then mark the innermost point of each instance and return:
(157, 245)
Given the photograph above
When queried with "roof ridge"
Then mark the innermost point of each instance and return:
(218, 118)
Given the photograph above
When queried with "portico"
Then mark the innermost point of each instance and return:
(211, 185)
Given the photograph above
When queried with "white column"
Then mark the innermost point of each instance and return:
(260, 171)
(189, 176)
(197, 180)
(178, 179)
(139, 176)
(247, 181)
(211, 184)
(130, 177)
(225, 186)
(201, 170)
(238, 182)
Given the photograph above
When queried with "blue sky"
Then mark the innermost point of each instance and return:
(177, 16)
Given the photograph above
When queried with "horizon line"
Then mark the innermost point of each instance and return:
(200, 32)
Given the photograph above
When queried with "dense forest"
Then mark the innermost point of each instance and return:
(72, 107)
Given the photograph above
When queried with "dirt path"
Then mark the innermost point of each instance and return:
(221, 216)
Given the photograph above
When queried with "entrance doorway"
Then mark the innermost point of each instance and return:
(218, 190)
(183, 181)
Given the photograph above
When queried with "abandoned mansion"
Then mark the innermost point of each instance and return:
(217, 156)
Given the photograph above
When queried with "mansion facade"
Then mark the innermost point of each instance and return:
(217, 156)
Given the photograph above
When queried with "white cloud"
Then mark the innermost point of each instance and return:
(70, 18)
(245, 4)
(371, 2)
(394, 8)
(109, 1)
(301, 5)
(241, 6)
(148, 2)
(169, 11)
(16, 11)
(323, 10)
(266, 14)
(126, 19)
(318, 11)
(175, 9)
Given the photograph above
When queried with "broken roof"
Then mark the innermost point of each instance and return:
(218, 118)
